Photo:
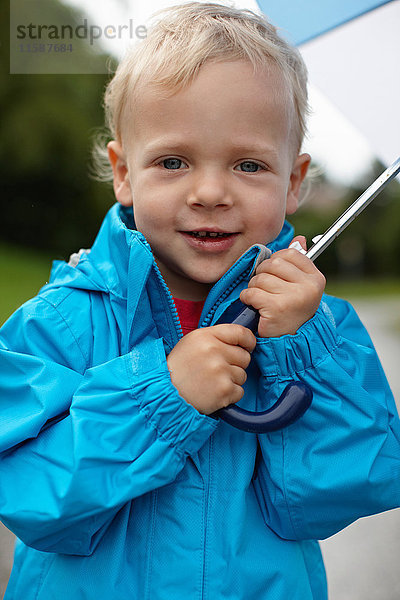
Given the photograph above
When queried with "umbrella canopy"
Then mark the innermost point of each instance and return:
(356, 67)
(309, 19)
(351, 50)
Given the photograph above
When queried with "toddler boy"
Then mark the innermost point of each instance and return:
(115, 477)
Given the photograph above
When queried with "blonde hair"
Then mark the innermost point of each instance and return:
(185, 37)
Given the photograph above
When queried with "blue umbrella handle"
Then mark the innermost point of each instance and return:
(295, 399)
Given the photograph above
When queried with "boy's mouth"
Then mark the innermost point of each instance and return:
(204, 240)
(208, 234)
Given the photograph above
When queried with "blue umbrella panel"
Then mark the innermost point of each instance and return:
(303, 21)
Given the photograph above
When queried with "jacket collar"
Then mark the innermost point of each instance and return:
(117, 247)
(121, 263)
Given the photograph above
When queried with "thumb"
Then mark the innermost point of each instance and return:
(299, 243)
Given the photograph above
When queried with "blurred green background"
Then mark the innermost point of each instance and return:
(51, 207)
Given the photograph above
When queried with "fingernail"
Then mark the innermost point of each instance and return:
(297, 246)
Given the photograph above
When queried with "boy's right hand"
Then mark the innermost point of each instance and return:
(207, 366)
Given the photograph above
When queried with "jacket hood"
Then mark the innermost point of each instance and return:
(118, 246)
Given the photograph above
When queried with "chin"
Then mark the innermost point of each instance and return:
(206, 279)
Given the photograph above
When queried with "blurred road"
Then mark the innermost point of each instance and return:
(362, 562)
(6, 550)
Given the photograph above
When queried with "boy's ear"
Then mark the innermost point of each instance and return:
(122, 187)
(297, 176)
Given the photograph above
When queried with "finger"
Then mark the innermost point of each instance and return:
(283, 268)
(255, 297)
(282, 259)
(236, 395)
(299, 243)
(238, 375)
(237, 356)
(273, 284)
(235, 335)
(228, 390)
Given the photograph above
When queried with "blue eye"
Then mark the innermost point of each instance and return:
(172, 163)
(249, 166)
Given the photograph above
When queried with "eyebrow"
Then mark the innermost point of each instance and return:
(167, 145)
(258, 148)
(171, 145)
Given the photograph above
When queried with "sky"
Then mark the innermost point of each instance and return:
(345, 133)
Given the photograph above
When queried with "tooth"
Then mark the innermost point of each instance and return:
(202, 233)
(213, 234)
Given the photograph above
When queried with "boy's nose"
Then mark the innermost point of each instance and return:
(209, 190)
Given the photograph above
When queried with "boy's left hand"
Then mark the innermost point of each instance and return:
(286, 290)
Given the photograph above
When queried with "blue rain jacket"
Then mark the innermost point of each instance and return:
(118, 489)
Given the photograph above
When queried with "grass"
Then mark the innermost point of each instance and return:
(22, 273)
(363, 288)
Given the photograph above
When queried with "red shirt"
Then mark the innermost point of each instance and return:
(189, 312)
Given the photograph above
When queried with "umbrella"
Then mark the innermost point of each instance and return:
(351, 51)
(355, 66)
(307, 20)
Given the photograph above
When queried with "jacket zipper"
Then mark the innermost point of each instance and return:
(170, 300)
(204, 323)
(209, 316)
(171, 303)
(206, 512)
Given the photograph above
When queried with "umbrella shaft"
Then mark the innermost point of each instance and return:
(353, 211)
